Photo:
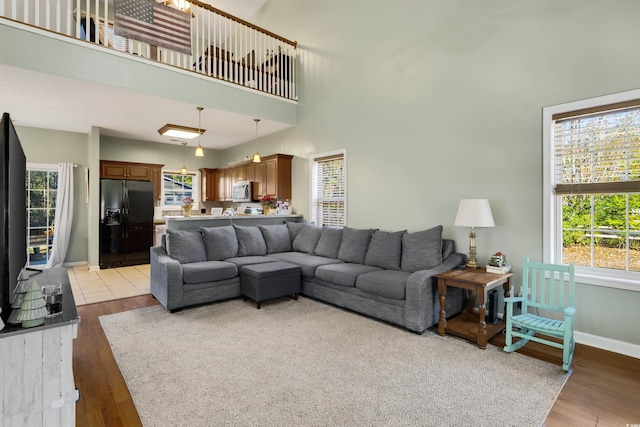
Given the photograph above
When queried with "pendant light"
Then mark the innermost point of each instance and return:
(184, 168)
(256, 157)
(199, 150)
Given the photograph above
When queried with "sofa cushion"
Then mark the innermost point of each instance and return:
(294, 228)
(220, 242)
(307, 239)
(448, 248)
(329, 242)
(353, 247)
(307, 263)
(250, 241)
(386, 283)
(208, 271)
(241, 261)
(343, 274)
(385, 250)
(276, 237)
(422, 250)
(186, 246)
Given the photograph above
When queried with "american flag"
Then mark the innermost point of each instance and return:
(154, 23)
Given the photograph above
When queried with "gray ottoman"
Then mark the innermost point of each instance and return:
(261, 282)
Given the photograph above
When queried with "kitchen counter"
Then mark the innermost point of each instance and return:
(196, 221)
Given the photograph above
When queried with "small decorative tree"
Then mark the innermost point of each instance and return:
(18, 295)
(33, 309)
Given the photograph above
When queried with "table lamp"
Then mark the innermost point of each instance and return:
(474, 213)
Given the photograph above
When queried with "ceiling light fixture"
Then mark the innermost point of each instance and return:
(199, 150)
(256, 157)
(177, 131)
(184, 168)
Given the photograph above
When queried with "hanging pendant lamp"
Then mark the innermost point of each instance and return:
(199, 150)
(256, 157)
(184, 168)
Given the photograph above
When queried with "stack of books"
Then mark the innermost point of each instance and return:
(498, 270)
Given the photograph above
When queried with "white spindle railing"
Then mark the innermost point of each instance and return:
(223, 47)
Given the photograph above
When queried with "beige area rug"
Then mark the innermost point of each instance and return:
(305, 363)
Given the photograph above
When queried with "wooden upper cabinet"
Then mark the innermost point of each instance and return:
(244, 173)
(208, 184)
(110, 169)
(259, 180)
(272, 176)
(156, 178)
(220, 185)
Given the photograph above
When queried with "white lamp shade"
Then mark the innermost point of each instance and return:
(474, 213)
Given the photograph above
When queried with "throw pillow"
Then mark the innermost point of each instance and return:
(186, 246)
(307, 239)
(294, 229)
(329, 243)
(422, 250)
(250, 241)
(385, 250)
(355, 242)
(276, 237)
(220, 242)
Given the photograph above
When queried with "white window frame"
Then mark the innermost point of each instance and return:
(195, 189)
(312, 181)
(551, 206)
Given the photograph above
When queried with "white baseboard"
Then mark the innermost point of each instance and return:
(621, 347)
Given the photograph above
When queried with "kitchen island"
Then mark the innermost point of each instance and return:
(196, 221)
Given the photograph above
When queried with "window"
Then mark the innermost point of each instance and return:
(177, 186)
(42, 185)
(592, 186)
(329, 189)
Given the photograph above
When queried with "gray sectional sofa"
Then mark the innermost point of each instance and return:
(385, 275)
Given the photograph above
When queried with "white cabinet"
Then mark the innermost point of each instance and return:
(36, 370)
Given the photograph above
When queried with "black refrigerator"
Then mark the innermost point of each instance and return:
(126, 222)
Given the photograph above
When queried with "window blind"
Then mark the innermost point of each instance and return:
(329, 191)
(597, 152)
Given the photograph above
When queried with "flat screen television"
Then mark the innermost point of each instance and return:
(13, 214)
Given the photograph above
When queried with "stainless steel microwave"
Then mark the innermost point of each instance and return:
(242, 191)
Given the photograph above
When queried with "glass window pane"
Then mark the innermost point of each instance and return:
(576, 247)
(38, 218)
(38, 179)
(609, 212)
(610, 252)
(53, 180)
(52, 199)
(36, 199)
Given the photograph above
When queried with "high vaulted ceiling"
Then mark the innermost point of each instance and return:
(47, 101)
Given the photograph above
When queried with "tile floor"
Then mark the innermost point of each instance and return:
(109, 284)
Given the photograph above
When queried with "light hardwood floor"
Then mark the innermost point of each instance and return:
(603, 389)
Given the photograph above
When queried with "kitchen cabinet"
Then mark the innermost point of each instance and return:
(156, 178)
(244, 173)
(208, 184)
(221, 190)
(272, 176)
(110, 169)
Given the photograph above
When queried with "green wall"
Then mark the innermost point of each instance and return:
(437, 101)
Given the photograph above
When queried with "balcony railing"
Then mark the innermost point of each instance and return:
(220, 45)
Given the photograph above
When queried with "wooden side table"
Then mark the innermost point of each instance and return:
(466, 324)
